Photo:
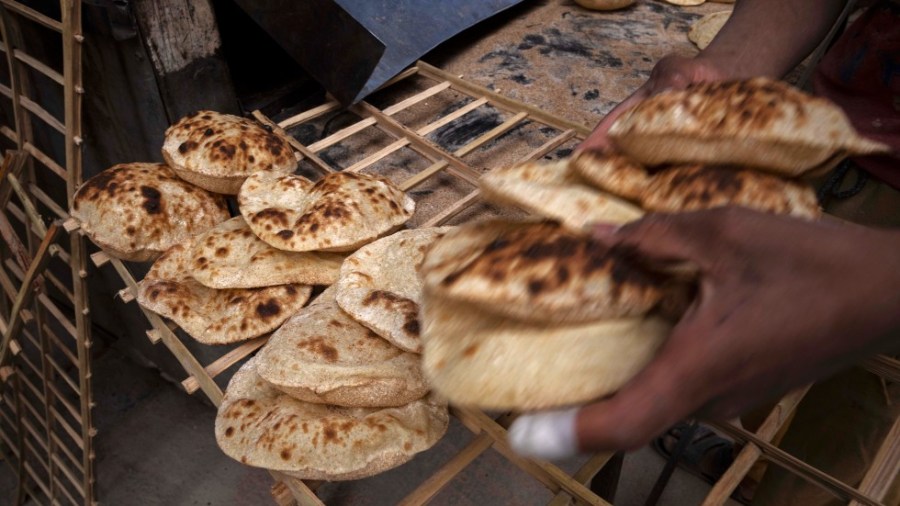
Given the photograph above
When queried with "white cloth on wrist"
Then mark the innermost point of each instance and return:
(548, 435)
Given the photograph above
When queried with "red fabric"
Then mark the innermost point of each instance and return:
(861, 73)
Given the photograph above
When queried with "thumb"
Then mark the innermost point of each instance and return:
(598, 140)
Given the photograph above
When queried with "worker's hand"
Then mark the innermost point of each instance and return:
(671, 72)
(781, 302)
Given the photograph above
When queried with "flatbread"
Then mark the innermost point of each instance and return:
(686, 3)
(604, 5)
(215, 316)
(695, 187)
(231, 256)
(322, 355)
(552, 191)
(758, 123)
(218, 151)
(341, 212)
(616, 174)
(479, 359)
(705, 29)
(135, 211)
(261, 426)
(380, 286)
(538, 272)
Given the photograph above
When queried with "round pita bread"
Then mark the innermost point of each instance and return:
(322, 355)
(551, 190)
(705, 29)
(215, 316)
(261, 426)
(380, 287)
(135, 211)
(615, 174)
(696, 187)
(537, 272)
(476, 358)
(758, 123)
(686, 3)
(231, 256)
(340, 212)
(218, 151)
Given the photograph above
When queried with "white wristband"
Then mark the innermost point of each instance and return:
(548, 435)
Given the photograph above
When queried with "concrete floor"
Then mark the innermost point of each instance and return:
(156, 447)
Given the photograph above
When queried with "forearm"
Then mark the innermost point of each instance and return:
(770, 37)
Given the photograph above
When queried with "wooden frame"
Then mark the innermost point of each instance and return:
(44, 304)
(490, 433)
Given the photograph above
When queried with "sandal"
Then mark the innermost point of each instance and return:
(708, 456)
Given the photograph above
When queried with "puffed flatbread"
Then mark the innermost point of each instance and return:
(552, 191)
(380, 287)
(340, 212)
(694, 187)
(261, 426)
(135, 211)
(323, 355)
(479, 359)
(538, 272)
(758, 123)
(705, 29)
(218, 151)
(215, 316)
(231, 256)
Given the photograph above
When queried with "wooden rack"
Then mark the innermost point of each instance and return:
(46, 430)
(412, 133)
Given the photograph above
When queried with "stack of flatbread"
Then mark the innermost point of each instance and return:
(532, 316)
(338, 392)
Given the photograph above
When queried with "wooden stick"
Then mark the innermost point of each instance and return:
(313, 113)
(500, 100)
(440, 478)
(60, 373)
(583, 475)
(42, 113)
(38, 65)
(341, 134)
(182, 354)
(18, 250)
(457, 166)
(545, 472)
(26, 291)
(750, 454)
(491, 135)
(62, 320)
(415, 99)
(884, 366)
(27, 205)
(421, 176)
(458, 207)
(68, 453)
(50, 203)
(453, 116)
(883, 472)
(796, 466)
(378, 155)
(20, 118)
(42, 157)
(227, 360)
(33, 15)
(302, 493)
(59, 343)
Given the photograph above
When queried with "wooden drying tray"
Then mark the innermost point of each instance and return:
(490, 433)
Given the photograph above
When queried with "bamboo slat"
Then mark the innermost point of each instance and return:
(42, 157)
(883, 474)
(453, 116)
(884, 366)
(227, 360)
(25, 293)
(35, 108)
(750, 454)
(415, 99)
(442, 477)
(584, 474)
(33, 15)
(38, 65)
(310, 114)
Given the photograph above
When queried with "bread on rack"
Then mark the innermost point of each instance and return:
(230, 255)
(261, 426)
(136, 211)
(340, 212)
(379, 285)
(214, 316)
(218, 151)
